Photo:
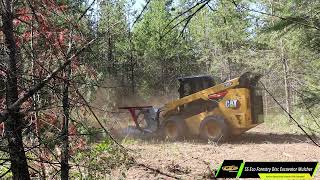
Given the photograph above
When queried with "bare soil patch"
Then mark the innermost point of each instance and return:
(193, 159)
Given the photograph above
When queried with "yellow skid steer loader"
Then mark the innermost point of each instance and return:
(207, 108)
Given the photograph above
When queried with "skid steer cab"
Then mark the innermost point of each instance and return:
(208, 108)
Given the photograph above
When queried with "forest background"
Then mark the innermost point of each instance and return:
(67, 65)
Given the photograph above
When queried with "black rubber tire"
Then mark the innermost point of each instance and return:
(174, 128)
(213, 128)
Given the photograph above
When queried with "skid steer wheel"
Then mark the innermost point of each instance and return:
(174, 128)
(213, 128)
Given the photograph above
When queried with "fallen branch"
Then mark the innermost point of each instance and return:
(157, 171)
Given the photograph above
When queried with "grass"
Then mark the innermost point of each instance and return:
(282, 123)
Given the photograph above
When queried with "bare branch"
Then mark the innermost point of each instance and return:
(139, 16)
(97, 119)
(40, 85)
(5, 173)
(85, 11)
(313, 141)
(183, 13)
(187, 19)
(280, 17)
(193, 14)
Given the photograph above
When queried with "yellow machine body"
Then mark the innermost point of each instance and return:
(238, 116)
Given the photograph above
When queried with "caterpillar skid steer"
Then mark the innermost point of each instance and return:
(207, 108)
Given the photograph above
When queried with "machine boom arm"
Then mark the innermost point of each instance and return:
(201, 94)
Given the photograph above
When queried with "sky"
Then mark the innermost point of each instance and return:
(139, 4)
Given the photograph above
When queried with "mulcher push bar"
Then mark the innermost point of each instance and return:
(267, 170)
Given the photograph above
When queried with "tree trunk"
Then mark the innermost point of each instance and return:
(286, 80)
(228, 50)
(265, 95)
(13, 124)
(229, 67)
(132, 78)
(36, 99)
(65, 126)
(286, 85)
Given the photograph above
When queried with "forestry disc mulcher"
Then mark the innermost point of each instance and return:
(206, 108)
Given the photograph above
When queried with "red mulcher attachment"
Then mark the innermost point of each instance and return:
(135, 112)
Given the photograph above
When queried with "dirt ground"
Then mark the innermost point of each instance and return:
(192, 159)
